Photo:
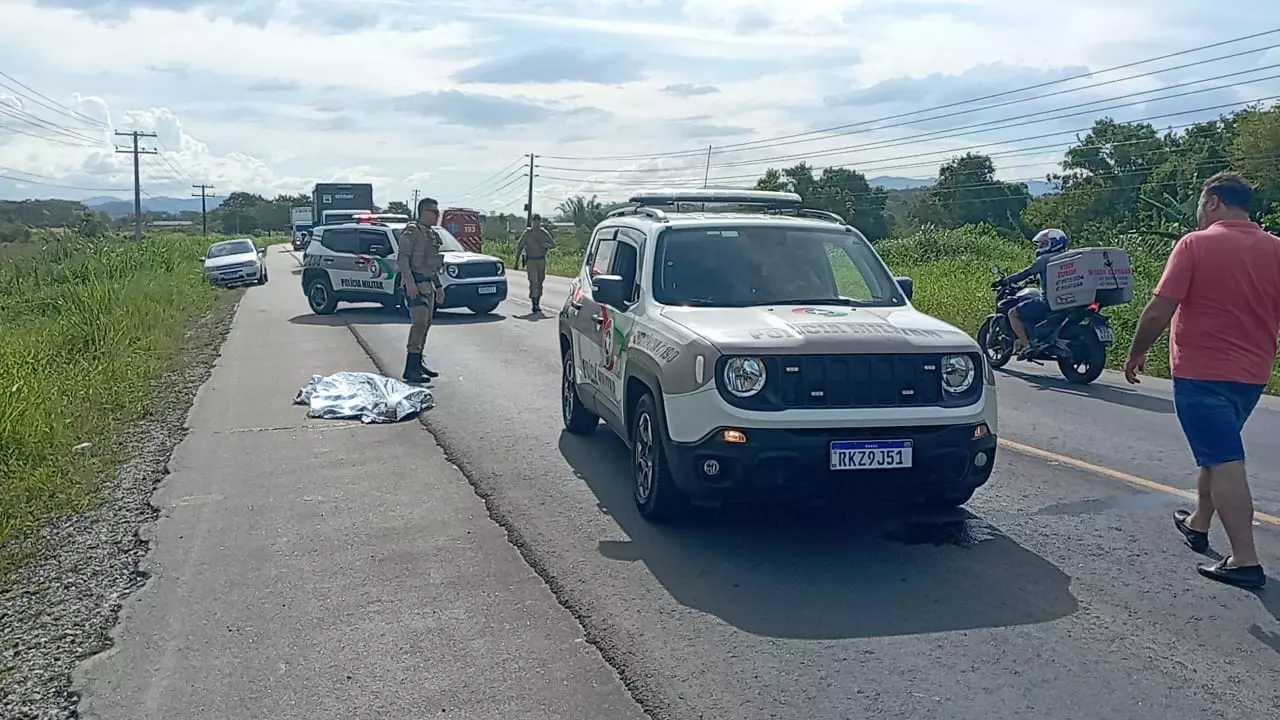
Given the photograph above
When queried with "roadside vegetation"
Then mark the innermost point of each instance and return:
(89, 324)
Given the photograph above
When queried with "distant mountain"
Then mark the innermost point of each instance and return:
(888, 182)
(116, 207)
(900, 183)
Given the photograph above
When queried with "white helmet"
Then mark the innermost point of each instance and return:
(1051, 240)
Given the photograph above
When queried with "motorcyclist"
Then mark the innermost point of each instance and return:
(1049, 243)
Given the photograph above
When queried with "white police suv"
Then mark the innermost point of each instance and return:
(356, 262)
(745, 347)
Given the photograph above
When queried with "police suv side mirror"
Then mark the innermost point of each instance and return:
(906, 285)
(262, 252)
(610, 290)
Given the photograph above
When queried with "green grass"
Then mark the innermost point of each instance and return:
(565, 260)
(950, 268)
(88, 326)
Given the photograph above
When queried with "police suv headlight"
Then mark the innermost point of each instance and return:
(502, 269)
(958, 373)
(452, 270)
(744, 376)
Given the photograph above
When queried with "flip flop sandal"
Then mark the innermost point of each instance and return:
(1196, 540)
(1250, 577)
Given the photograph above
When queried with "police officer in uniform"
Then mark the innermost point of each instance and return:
(533, 245)
(419, 261)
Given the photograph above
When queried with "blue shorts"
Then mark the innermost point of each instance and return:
(1033, 310)
(1212, 414)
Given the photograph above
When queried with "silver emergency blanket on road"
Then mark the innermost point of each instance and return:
(370, 397)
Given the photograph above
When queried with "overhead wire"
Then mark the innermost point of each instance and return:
(967, 130)
(518, 164)
(1169, 154)
(937, 157)
(49, 103)
(6, 174)
(765, 142)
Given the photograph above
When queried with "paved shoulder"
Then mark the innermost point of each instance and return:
(313, 569)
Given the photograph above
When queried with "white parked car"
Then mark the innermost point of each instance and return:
(235, 262)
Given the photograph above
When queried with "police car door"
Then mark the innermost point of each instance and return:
(616, 328)
(374, 258)
(588, 321)
(340, 260)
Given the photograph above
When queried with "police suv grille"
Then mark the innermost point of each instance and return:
(477, 270)
(856, 381)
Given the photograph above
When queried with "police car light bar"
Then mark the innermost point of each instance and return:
(768, 198)
(380, 218)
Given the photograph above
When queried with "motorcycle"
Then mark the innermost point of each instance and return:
(1076, 338)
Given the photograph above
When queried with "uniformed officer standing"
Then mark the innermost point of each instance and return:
(419, 261)
(534, 243)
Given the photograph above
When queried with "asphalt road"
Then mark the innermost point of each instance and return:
(1061, 592)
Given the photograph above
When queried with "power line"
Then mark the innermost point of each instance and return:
(49, 103)
(766, 142)
(42, 124)
(938, 157)
(972, 148)
(1165, 155)
(511, 170)
(45, 181)
(518, 164)
(965, 130)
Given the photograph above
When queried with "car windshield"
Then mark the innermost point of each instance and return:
(448, 242)
(231, 247)
(756, 264)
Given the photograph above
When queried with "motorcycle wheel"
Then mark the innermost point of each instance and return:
(996, 344)
(1088, 358)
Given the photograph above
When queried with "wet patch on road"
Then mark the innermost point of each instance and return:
(965, 532)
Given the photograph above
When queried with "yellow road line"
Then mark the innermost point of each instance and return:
(1118, 475)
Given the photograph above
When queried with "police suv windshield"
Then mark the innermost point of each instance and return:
(746, 265)
(231, 247)
(448, 242)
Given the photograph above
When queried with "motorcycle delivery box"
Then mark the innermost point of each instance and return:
(1078, 278)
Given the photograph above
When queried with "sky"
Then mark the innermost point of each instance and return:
(449, 97)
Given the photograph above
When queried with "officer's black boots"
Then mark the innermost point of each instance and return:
(537, 306)
(413, 372)
(428, 371)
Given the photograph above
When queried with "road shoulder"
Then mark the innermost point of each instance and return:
(321, 569)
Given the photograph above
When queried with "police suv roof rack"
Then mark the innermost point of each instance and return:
(766, 199)
(654, 213)
(821, 215)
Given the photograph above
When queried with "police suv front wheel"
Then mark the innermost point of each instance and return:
(656, 494)
(578, 420)
(320, 297)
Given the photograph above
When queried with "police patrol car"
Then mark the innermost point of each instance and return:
(766, 350)
(356, 262)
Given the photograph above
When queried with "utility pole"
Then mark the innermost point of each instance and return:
(528, 208)
(706, 176)
(204, 209)
(135, 151)
(413, 204)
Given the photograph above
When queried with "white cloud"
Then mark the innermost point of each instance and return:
(272, 96)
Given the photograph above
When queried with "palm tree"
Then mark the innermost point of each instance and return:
(584, 213)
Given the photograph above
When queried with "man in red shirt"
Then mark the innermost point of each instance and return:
(1221, 290)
